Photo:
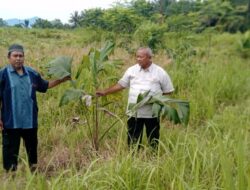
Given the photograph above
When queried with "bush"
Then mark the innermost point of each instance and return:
(182, 22)
(244, 45)
(151, 35)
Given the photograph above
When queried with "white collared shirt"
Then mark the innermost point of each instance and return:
(154, 79)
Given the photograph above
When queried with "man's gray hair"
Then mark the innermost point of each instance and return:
(148, 51)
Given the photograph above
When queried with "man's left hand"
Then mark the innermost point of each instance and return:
(65, 79)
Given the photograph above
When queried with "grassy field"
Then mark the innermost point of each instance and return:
(210, 70)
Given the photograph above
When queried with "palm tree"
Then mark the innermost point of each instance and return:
(163, 4)
(26, 23)
(75, 19)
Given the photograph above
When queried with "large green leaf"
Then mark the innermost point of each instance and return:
(171, 114)
(162, 98)
(85, 61)
(156, 109)
(93, 58)
(142, 99)
(183, 112)
(142, 96)
(174, 110)
(71, 95)
(106, 50)
(60, 67)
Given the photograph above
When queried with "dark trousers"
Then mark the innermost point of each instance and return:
(135, 130)
(11, 143)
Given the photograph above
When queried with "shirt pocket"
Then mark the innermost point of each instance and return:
(154, 80)
(155, 84)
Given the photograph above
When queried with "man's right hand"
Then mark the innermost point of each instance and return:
(115, 88)
(100, 93)
(1, 125)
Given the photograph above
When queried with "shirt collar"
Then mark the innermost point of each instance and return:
(149, 69)
(11, 69)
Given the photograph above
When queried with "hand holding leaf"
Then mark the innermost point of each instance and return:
(60, 67)
(177, 111)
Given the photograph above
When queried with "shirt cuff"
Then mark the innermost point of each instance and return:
(122, 83)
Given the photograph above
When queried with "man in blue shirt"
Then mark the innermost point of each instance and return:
(19, 111)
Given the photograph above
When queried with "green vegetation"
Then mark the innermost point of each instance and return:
(163, 107)
(95, 63)
(127, 17)
(209, 68)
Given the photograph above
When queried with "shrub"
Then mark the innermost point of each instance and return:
(150, 34)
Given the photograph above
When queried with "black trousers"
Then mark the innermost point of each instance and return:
(135, 130)
(11, 143)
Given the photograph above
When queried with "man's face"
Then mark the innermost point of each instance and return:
(143, 59)
(16, 59)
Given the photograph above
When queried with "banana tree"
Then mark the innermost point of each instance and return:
(96, 63)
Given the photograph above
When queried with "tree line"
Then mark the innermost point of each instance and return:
(128, 17)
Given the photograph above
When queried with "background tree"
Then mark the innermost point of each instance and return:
(75, 19)
(42, 23)
(122, 20)
(20, 25)
(2, 23)
(143, 8)
(222, 16)
(93, 18)
(162, 5)
(182, 7)
(26, 23)
(57, 24)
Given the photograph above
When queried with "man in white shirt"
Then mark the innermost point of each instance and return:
(142, 77)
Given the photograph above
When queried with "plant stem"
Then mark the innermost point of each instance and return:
(96, 127)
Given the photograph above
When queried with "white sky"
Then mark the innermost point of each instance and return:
(48, 9)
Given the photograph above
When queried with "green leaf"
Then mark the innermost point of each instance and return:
(84, 62)
(156, 109)
(184, 112)
(93, 58)
(71, 95)
(60, 67)
(171, 114)
(165, 99)
(175, 110)
(142, 99)
(106, 50)
(130, 106)
(142, 96)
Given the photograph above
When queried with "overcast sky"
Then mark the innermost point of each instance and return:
(48, 9)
